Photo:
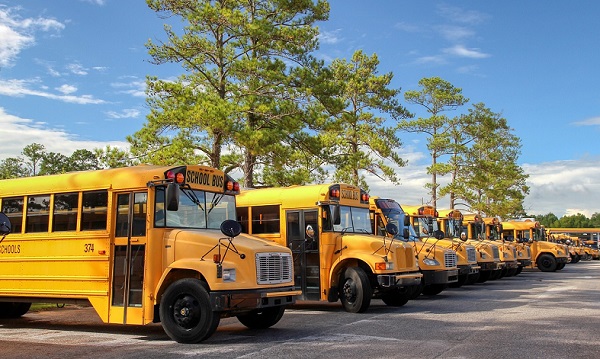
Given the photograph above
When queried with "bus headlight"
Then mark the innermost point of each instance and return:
(483, 255)
(229, 275)
(431, 262)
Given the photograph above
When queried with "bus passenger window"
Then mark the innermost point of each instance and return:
(265, 219)
(38, 214)
(13, 208)
(65, 212)
(95, 211)
(242, 218)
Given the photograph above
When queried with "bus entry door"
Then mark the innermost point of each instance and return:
(303, 240)
(129, 255)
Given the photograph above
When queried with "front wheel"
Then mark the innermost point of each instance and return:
(185, 312)
(434, 289)
(546, 263)
(12, 310)
(262, 318)
(355, 290)
(396, 298)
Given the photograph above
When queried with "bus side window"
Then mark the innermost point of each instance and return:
(95, 211)
(13, 208)
(242, 218)
(38, 214)
(65, 212)
(265, 219)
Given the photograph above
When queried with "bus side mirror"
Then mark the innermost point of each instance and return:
(231, 228)
(172, 197)
(337, 218)
(392, 229)
(5, 226)
(406, 233)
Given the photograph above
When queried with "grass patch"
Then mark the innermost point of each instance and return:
(38, 307)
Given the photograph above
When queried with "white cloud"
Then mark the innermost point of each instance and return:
(462, 51)
(95, 2)
(594, 121)
(329, 37)
(66, 89)
(559, 187)
(17, 33)
(23, 132)
(455, 33)
(19, 88)
(126, 113)
(135, 87)
(77, 69)
(459, 15)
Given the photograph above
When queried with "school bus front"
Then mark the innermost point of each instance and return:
(438, 264)
(141, 244)
(460, 226)
(425, 221)
(336, 257)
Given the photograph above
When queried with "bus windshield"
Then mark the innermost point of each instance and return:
(197, 209)
(397, 217)
(425, 226)
(353, 220)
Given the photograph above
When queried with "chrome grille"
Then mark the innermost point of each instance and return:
(496, 252)
(272, 268)
(471, 254)
(514, 250)
(450, 259)
(528, 251)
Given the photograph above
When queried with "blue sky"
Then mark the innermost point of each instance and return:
(72, 76)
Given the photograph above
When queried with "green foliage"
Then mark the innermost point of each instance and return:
(358, 137)
(238, 89)
(13, 167)
(487, 175)
(436, 96)
(113, 157)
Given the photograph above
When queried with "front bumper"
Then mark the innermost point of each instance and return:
(399, 279)
(440, 277)
(243, 300)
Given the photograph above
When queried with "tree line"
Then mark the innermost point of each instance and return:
(253, 97)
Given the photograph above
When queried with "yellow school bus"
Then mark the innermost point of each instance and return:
(424, 219)
(462, 226)
(140, 244)
(545, 255)
(437, 264)
(336, 256)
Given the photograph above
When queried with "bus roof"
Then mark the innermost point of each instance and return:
(294, 196)
(113, 178)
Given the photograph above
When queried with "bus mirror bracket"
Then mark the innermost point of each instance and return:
(172, 197)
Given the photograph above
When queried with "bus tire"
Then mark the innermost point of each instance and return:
(396, 298)
(434, 289)
(355, 290)
(13, 310)
(262, 318)
(560, 266)
(185, 312)
(546, 263)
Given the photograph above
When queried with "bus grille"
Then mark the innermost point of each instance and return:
(514, 250)
(471, 254)
(496, 252)
(450, 259)
(528, 251)
(273, 268)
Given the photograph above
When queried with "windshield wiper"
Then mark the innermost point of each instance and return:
(192, 196)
